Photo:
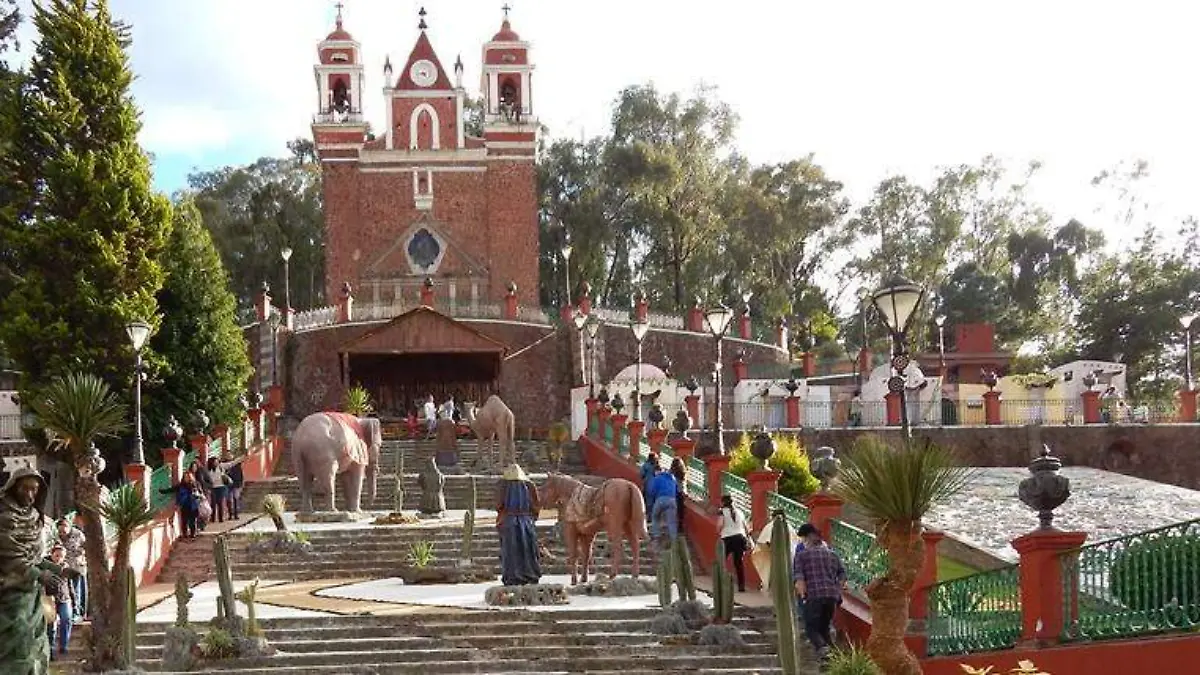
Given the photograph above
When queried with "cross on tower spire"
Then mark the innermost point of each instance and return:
(506, 9)
(422, 25)
(339, 6)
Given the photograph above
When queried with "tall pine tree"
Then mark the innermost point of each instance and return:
(83, 226)
(207, 365)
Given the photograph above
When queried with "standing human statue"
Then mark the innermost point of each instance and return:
(24, 649)
(516, 519)
(433, 484)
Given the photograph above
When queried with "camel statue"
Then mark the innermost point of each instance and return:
(331, 444)
(494, 420)
(616, 506)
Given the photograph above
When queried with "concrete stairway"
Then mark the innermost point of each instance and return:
(489, 642)
(375, 553)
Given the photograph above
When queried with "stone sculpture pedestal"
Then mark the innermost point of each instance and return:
(531, 594)
(331, 517)
(446, 444)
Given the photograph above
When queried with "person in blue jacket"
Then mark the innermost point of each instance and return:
(661, 493)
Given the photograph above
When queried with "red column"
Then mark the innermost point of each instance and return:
(1042, 590)
(427, 293)
(893, 408)
(221, 431)
(781, 334)
(822, 508)
(253, 438)
(592, 406)
(567, 315)
(695, 320)
(864, 363)
(275, 398)
(761, 482)
(714, 466)
(345, 309)
(740, 370)
(918, 606)
(1091, 407)
(173, 460)
(693, 407)
(683, 447)
(200, 445)
(138, 476)
(744, 326)
(810, 364)
(657, 438)
(262, 308)
(1187, 405)
(618, 425)
(991, 407)
(510, 303)
(792, 412)
(635, 441)
(602, 414)
(641, 310)
(585, 300)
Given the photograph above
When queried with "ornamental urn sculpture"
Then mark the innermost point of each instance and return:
(618, 403)
(791, 386)
(201, 421)
(682, 422)
(990, 380)
(656, 417)
(257, 400)
(172, 432)
(603, 397)
(825, 466)
(244, 401)
(1089, 380)
(1045, 489)
(691, 384)
(763, 447)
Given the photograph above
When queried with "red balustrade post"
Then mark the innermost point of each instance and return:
(1091, 407)
(138, 476)
(618, 424)
(714, 467)
(683, 448)
(991, 408)
(173, 460)
(657, 438)
(893, 408)
(1187, 405)
(761, 482)
(636, 428)
(692, 401)
(823, 508)
(792, 412)
(1043, 585)
(510, 303)
(200, 445)
(917, 638)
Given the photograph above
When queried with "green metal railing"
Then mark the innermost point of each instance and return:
(1136, 585)
(737, 488)
(797, 514)
(863, 559)
(697, 480)
(976, 613)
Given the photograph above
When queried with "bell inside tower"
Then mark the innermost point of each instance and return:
(340, 97)
(510, 101)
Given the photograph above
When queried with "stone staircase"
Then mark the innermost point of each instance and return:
(376, 552)
(508, 642)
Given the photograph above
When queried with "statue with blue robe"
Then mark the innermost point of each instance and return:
(516, 519)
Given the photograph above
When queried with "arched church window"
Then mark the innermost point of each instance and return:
(341, 96)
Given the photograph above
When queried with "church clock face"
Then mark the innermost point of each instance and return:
(423, 73)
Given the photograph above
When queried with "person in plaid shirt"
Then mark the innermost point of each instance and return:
(72, 539)
(819, 576)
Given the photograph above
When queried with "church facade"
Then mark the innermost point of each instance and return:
(438, 193)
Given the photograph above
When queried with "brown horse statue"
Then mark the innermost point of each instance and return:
(617, 507)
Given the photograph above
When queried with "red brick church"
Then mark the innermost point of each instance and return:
(422, 198)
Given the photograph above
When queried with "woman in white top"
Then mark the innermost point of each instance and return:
(733, 532)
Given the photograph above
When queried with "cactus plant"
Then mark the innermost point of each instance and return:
(681, 557)
(227, 602)
(722, 583)
(664, 578)
(129, 641)
(273, 505)
(468, 526)
(246, 595)
(783, 595)
(182, 596)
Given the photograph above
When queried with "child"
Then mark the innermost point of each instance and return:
(59, 590)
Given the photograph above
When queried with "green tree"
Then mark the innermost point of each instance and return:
(255, 211)
(207, 366)
(84, 226)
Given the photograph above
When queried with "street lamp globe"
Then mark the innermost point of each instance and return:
(275, 320)
(897, 302)
(138, 331)
(593, 327)
(717, 319)
(1187, 320)
(286, 253)
(566, 251)
(639, 327)
(580, 319)
(940, 320)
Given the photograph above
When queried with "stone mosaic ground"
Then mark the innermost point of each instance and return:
(989, 515)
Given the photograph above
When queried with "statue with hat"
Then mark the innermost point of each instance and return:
(516, 519)
(24, 649)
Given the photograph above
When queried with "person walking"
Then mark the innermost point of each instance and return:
(219, 493)
(72, 539)
(820, 578)
(680, 474)
(736, 537)
(662, 493)
(58, 589)
(517, 509)
(187, 499)
(647, 472)
(430, 410)
(237, 479)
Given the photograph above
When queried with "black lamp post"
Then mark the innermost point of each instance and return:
(580, 320)
(138, 331)
(640, 328)
(274, 321)
(286, 254)
(1186, 322)
(940, 320)
(566, 255)
(592, 325)
(717, 320)
(897, 303)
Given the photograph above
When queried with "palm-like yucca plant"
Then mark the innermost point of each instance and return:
(358, 401)
(74, 411)
(896, 488)
(420, 554)
(273, 505)
(852, 660)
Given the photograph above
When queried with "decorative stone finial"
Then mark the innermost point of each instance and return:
(682, 421)
(603, 396)
(763, 447)
(791, 385)
(422, 25)
(428, 283)
(347, 290)
(172, 431)
(617, 403)
(691, 384)
(266, 288)
(825, 466)
(656, 416)
(990, 379)
(257, 399)
(512, 288)
(201, 421)
(1045, 489)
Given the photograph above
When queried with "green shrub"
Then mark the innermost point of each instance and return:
(1158, 573)
(357, 401)
(796, 483)
(218, 644)
(851, 660)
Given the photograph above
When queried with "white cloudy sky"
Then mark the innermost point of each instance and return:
(871, 86)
